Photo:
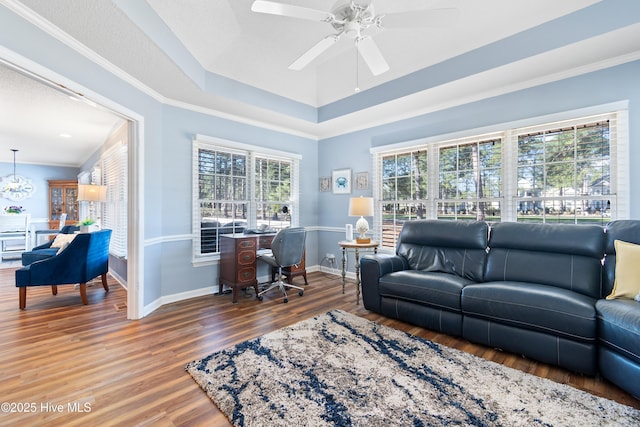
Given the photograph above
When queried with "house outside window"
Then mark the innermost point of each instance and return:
(239, 187)
(564, 175)
(568, 171)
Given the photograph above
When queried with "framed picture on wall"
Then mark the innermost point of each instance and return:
(362, 181)
(325, 183)
(341, 181)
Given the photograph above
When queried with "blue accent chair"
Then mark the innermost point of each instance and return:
(86, 257)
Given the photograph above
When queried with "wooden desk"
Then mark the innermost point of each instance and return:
(238, 264)
(352, 244)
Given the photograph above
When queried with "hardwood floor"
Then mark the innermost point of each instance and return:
(62, 363)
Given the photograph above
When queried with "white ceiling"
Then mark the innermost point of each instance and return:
(167, 47)
(227, 38)
(46, 125)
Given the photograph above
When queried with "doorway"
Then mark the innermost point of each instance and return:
(20, 88)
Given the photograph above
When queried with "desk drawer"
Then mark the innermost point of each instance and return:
(246, 275)
(246, 257)
(246, 244)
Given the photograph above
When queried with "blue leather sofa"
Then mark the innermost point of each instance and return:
(85, 258)
(531, 289)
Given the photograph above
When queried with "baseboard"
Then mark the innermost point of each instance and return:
(210, 290)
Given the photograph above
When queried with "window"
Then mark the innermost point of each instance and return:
(564, 174)
(237, 186)
(565, 171)
(470, 180)
(404, 191)
(273, 192)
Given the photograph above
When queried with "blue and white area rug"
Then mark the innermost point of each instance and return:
(338, 369)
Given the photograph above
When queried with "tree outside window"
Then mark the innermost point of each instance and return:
(470, 181)
(240, 189)
(404, 191)
(564, 174)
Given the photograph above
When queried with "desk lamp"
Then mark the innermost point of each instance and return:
(361, 206)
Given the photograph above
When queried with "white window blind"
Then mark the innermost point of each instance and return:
(238, 186)
(469, 182)
(114, 210)
(567, 171)
(564, 171)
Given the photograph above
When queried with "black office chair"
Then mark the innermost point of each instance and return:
(287, 248)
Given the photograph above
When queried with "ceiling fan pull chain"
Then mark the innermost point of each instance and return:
(357, 69)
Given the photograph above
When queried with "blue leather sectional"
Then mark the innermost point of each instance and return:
(530, 289)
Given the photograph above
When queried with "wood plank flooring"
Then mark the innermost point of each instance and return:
(65, 364)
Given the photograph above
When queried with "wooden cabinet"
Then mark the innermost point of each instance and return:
(63, 198)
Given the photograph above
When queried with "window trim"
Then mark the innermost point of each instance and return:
(251, 151)
(508, 132)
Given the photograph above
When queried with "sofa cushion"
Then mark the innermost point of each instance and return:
(627, 279)
(619, 326)
(455, 247)
(547, 254)
(547, 309)
(435, 289)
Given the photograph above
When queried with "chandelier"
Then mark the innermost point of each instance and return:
(14, 187)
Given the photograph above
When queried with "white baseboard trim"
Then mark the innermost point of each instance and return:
(168, 299)
(119, 279)
(210, 290)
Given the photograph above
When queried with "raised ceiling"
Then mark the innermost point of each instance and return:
(219, 56)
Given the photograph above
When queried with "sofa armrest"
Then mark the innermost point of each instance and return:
(372, 268)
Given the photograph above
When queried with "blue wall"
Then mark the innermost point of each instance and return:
(179, 127)
(38, 204)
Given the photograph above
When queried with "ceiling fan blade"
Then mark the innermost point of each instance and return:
(314, 52)
(421, 18)
(292, 11)
(372, 56)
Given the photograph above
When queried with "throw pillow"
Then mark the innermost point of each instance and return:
(62, 241)
(627, 282)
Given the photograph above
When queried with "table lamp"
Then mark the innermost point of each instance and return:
(361, 206)
(92, 193)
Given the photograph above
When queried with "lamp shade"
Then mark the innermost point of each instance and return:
(361, 206)
(92, 193)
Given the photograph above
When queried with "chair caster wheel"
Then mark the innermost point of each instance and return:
(260, 298)
(301, 293)
(286, 300)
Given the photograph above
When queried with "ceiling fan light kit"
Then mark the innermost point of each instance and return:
(351, 19)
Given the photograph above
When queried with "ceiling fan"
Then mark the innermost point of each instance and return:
(352, 19)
